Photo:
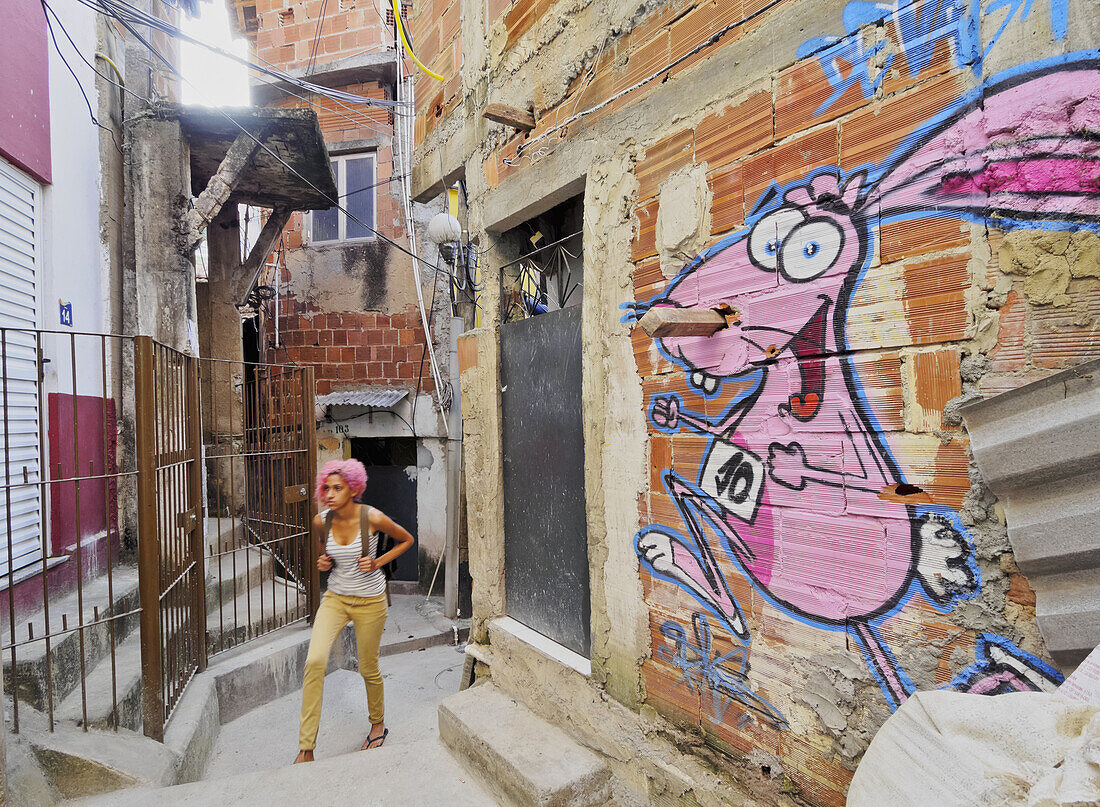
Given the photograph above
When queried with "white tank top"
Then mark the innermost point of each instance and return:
(346, 578)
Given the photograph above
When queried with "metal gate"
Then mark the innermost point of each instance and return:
(170, 525)
(261, 454)
(545, 529)
(217, 573)
(220, 456)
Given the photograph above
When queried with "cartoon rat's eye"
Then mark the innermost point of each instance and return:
(768, 234)
(810, 249)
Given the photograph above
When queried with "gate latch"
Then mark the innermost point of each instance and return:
(295, 493)
(188, 520)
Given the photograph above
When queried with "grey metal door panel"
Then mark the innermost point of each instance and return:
(546, 533)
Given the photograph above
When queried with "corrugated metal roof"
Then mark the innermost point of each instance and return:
(379, 398)
(1038, 448)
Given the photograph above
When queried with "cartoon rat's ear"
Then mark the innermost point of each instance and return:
(1015, 150)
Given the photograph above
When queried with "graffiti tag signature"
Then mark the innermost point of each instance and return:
(724, 677)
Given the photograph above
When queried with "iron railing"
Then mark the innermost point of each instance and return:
(105, 473)
(76, 600)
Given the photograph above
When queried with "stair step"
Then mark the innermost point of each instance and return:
(82, 763)
(229, 576)
(384, 777)
(100, 704)
(65, 650)
(257, 611)
(525, 761)
(223, 533)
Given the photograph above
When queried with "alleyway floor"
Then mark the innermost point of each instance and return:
(249, 763)
(416, 682)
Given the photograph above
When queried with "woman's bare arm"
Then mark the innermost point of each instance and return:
(380, 522)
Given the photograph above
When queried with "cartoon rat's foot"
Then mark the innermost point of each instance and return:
(1003, 667)
(670, 558)
(944, 566)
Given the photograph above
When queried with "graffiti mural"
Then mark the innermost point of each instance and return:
(724, 677)
(917, 28)
(798, 486)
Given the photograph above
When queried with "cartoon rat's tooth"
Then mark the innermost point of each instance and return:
(710, 383)
(697, 379)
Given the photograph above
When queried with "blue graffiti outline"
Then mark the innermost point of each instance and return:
(931, 22)
(875, 175)
(709, 673)
(982, 667)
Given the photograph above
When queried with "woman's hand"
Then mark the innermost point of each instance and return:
(324, 563)
(367, 565)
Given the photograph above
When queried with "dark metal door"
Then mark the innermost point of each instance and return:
(391, 487)
(545, 530)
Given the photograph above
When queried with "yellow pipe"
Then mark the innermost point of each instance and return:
(408, 49)
(114, 66)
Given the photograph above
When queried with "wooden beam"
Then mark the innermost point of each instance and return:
(510, 116)
(220, 187)
(250, 269)
(666, 321)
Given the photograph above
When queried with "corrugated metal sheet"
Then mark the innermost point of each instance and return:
(1038, 448)
(382, 398)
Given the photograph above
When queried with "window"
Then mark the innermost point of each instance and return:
(355, 183)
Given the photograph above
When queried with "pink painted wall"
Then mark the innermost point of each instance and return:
(97, 497)
(24, 92)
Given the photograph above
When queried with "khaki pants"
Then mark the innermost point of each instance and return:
(368, 615)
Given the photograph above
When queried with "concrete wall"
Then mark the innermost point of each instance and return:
(847, 550)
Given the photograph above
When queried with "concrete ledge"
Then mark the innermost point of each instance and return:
(546, 646)
(522, 759)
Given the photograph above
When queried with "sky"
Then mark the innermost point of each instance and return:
(217, 81)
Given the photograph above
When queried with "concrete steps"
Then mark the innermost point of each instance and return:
(384, 777)
(523, 760)
(65, 650)
(100, 704)
(78, 762)
(257, 610)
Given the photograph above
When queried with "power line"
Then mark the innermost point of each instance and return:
(79, 86)
(317, 37)
(416, 258)
(125, 13)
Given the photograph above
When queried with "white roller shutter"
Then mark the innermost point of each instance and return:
(19, 216)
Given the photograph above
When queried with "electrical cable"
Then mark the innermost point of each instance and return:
(408, 47)
(123, 12)
(99, 55)
(79, 86)
(703, 46)
(426, 319)
(316, 38)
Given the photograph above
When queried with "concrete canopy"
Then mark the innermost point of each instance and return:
(292, 134)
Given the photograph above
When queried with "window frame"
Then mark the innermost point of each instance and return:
(341, 161)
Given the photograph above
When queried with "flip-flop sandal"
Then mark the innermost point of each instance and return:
(375, 742)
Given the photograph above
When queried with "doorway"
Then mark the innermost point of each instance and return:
(391, 487)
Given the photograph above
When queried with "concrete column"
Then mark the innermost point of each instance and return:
(163, 304)
(220, 338)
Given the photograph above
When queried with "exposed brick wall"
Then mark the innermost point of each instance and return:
(341, 125)
(437, 35)
(354, 348)
(287, 29)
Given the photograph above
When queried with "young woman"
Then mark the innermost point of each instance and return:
(356, 593)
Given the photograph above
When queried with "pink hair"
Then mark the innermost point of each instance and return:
(351, 471)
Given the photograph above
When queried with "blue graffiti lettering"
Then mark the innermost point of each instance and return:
(724, 677)
(919, 27)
